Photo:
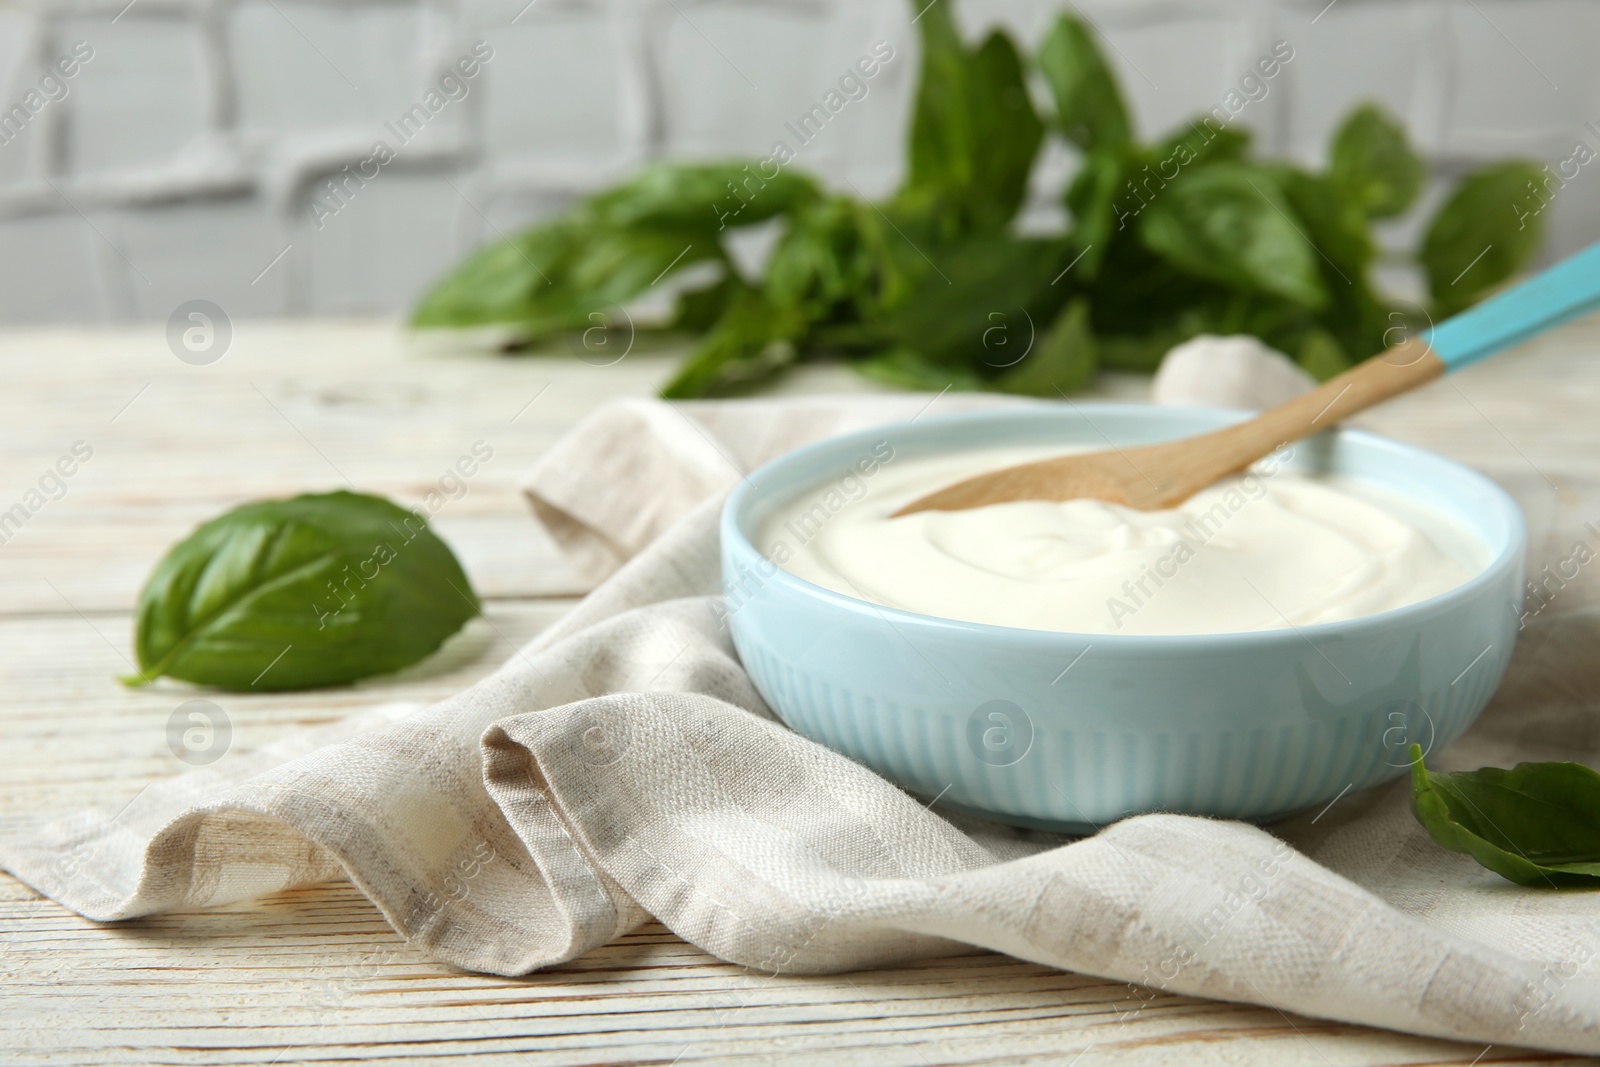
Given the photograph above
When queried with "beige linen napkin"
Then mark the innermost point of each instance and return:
(622, 765)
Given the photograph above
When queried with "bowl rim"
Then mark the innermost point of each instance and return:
(1509, 555)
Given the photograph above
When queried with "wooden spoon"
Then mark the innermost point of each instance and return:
(1164, 475)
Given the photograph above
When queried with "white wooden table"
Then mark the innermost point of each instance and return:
(315, 975)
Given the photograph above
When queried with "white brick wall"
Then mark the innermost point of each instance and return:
(183, 159)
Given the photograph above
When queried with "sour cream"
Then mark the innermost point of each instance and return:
(1268, 550)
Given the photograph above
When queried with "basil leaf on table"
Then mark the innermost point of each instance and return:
(610, 247)
(506, 281)
(1478, 238)
(1372, 161)
(1229, 222)
(321, 589)
(988, 290)
(1063, 360)
(1139, 353)
(1091, 197)
(909, 369)
(1537, 824)
(974, 133)
(748, 344)
(553, 277)
(1009, 130)
(697, 310)
(1089, 108)
(1108, 193)
(827, 264)
(702, 195)
(616, 265)
(1337, 228)
(1320, 356)
(1334, 222)
(1196, 144)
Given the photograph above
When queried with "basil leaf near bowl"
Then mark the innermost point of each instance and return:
(322, 589)
(1537, 824)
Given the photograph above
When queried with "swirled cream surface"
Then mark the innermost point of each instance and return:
(1267, 550)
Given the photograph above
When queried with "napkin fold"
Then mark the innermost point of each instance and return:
(622, 765)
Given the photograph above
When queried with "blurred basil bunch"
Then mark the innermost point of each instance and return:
(1168, 239)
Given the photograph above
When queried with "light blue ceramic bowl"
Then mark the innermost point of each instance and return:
(1069, 731)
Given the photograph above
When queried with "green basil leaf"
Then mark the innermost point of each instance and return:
(941, 132)
(974, 133)
(986, 289)
(1112, 187)
(553, 277)
(1485, 232)
(825, 262)
(1337, 227)
(611, 247)
(1537, 824)
(1009, 130)
(1089, 107)
(1140, 353)
(1372, 162)
(907, 368)
(1333, 222)
(850, 340)
(503, 280)
(1198, 143)
(1128, 343)
(614, 265)
(1092, 198)
(322, 589)
(1064, 360)
(1139, 292)
(1231, 223)
(1320, 356)
(750, 343)
(1279, 323)
(703, 196)
(697, 310)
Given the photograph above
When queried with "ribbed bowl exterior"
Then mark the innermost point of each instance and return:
(1069, 731)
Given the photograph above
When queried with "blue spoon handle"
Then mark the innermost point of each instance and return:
(1551, 297)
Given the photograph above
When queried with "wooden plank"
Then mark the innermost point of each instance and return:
(72, 732)
(291, 407)
(313, 976)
